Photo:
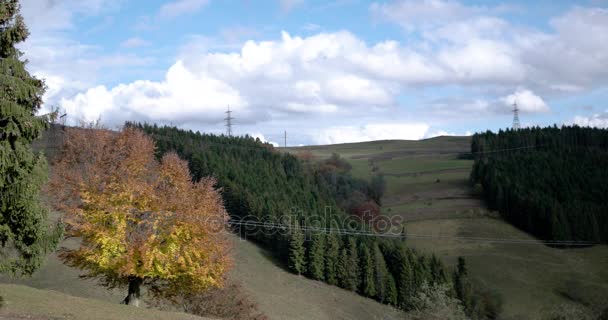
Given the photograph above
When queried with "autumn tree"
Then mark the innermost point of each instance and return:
(141, 221)
(25, 236)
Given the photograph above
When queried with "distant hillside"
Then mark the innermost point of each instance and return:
(430, 189)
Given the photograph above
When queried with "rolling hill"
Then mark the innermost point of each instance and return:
(427, 185)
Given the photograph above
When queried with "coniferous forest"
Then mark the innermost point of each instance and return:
(550, 182)
(260, 184)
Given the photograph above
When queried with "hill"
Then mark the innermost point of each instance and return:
(428, 186)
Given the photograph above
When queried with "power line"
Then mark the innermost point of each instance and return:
(340, 231)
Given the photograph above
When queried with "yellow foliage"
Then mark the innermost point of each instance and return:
(139, 217)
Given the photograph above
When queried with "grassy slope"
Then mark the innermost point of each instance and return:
(283, 295)
(23, 302)
(531, 278)
(280, 294)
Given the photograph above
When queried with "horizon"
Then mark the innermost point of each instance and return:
(334, 72)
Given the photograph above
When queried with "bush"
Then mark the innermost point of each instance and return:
(433, 302)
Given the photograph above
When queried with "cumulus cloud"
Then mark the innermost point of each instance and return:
(526, 101)
(378, 131)
(182, 97)
(475, 43)
(599, 120)
(177, 8)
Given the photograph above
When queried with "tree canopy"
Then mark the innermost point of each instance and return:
(141, 221)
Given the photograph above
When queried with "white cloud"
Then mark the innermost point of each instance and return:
(260, 136)
(134, 43)
(599, 120)
(526, 101)
(177, 8)
(378, 131)
(476, 45)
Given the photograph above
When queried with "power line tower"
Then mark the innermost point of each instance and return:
(516, 125)
(229, 119)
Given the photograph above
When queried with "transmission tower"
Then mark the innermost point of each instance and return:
(515, 116)
(229, 119)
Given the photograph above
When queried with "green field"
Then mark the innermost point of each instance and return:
(428, 186)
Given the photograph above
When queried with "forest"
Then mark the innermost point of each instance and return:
(261, 184)
(550, 182)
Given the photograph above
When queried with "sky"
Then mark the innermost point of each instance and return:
(323, 71)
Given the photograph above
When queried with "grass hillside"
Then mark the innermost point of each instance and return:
(23, 302)
(427, 185)
(284, 295)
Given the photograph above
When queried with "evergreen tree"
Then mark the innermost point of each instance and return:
(25, 237)
(332, 257)
(380, 274)
(462, 286)
(297, 251)
(353, 279)
(316, 257)
(342, 269)
(438, 275)
(391, 290)
(368, 284)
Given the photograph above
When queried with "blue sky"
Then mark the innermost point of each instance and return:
(325, 71)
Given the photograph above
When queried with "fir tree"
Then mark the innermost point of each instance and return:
(342, 269)
(368, 284)
(25, 237)
(297, 251)
(331, 259)
(391, 290)
(316, 257)
(352, 266)
(380, 274)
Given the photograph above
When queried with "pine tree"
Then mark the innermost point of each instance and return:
(462, 286)
(297, 251)
(353, 279)
(342, 269)
(332, 259)
(25, 237)
(391, 290)
(405, 281)
(438, 275)
(380, 274)
(368, 285)
(316, 257)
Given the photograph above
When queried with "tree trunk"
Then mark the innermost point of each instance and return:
(133, 297)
